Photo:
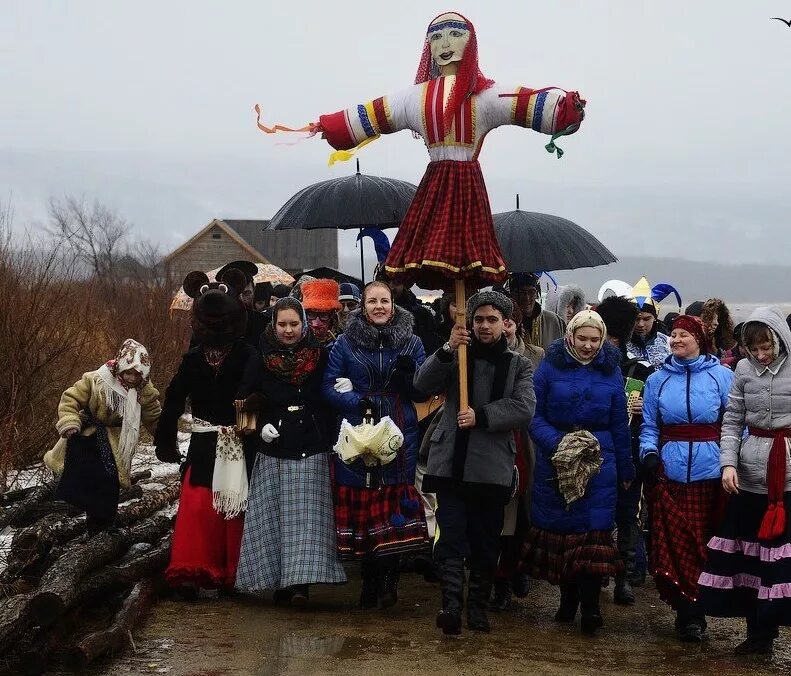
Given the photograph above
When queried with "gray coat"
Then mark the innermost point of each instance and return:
(760, 396)
(491, 447)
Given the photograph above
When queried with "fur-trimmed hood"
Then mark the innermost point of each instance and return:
(571, 294)
(393, 335)
(607, 361)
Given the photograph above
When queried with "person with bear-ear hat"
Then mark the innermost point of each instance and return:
(256, 321)
(219, 371)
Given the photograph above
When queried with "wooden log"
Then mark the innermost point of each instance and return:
(18, 510)
(119, 635)
(14, 620)
(142, 475)
(16, 495)
(57, 587)
(33, 655)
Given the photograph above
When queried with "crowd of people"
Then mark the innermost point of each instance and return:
(589, 444)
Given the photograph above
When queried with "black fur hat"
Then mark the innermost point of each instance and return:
(619, 315)
(218, 316)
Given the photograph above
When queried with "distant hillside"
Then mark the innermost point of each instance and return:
(748, 283)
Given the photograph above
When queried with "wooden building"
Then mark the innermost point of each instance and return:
(222, 241)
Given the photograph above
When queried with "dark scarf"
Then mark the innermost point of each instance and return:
(293, 364)
(499, 355)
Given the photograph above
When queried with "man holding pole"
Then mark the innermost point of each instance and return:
(471, 461)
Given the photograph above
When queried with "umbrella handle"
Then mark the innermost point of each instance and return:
(461, 320)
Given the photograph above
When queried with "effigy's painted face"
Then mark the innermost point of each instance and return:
(448, 36)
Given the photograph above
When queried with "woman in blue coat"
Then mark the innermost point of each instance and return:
(683, 405)
(378, 513)
(578, 387)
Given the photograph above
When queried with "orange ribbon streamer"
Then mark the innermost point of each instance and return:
(311, 128)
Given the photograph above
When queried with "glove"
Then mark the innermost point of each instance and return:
(269, 433)
(167, 454)
(343, 385)
(650, 462)
(405, 364)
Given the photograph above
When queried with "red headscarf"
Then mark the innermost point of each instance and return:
(694, 326)
(469, 79)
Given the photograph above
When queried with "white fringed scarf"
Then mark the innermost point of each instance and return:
(229, 479)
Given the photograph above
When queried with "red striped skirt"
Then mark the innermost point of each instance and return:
(378, 521)
(448, 232)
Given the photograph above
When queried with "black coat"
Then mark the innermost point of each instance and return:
(212, 396)
(425, 323)
(304, 420)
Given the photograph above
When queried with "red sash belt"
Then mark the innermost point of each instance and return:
(774, 521)
(690, 432)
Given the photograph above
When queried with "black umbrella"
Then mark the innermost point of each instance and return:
(533, 242)
(356, 201)
(331, 273)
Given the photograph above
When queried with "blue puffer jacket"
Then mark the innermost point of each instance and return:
(682, 393)
(367, 356)
(570, 395)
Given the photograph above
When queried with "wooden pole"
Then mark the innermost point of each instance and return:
(461, 320)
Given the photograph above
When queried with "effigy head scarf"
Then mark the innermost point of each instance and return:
(577, 459)
(581, 320)
(469, 78)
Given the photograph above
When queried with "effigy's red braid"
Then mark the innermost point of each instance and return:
(469, 80)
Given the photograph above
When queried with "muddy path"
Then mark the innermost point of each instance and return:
(218, 637)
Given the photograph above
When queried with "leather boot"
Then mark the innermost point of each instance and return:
(520, 583)
(590, 593)
(501, 595)
(452, 584)
(569, 602)
(387, 578)
(479, 587)
(368, 588)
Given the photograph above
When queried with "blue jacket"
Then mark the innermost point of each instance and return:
(367, 356)
(590, 397)
(683, 393)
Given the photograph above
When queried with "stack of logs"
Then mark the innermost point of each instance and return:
(60, 578)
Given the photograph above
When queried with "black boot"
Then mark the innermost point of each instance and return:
(368, 588)
(501, 595)
(623, 594)
(479, 587)
(590, 593)
(520, 583)
(299, 596)
(452, 584)
(760, 639)
(387, 578)
(569, 602)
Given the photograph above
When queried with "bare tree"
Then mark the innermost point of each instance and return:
(97, 234)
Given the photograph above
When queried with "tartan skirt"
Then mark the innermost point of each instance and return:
(744, 576)
(561, 558)
(289, 527)
(205, 549)
(683, 518)
(447, 232)
(379, 521)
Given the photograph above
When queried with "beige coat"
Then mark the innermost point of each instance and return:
(85, 394)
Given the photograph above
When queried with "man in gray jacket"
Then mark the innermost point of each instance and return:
(471, 461)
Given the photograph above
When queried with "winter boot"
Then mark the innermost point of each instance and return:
(368, 588)
(299, 596)
(590, 593)
(387, 578)
(452, 584)
(521, 585)
(623, 594)
(501, 595)
(569, 602)
(479, 587)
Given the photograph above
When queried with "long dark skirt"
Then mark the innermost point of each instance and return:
(745, 576)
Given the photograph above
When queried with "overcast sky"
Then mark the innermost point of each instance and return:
(148, 106)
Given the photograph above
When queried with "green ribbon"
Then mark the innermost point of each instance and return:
(552, 148)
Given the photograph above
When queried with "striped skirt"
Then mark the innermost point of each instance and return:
(289, 529)
(744, 576)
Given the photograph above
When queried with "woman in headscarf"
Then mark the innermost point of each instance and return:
(683, 404)
(99, 419)
(289, 532)
(378, 513)
(748, 571)
(578, 387)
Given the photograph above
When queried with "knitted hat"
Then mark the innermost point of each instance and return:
(496, 299)
(349, 292)
(263, 291)
(620, 315)
(321, 295)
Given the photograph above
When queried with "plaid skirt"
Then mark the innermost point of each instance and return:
(289, 529)
(683, 518)
(560, 558)
(379, 521)
(448, 232)
(744, 576)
